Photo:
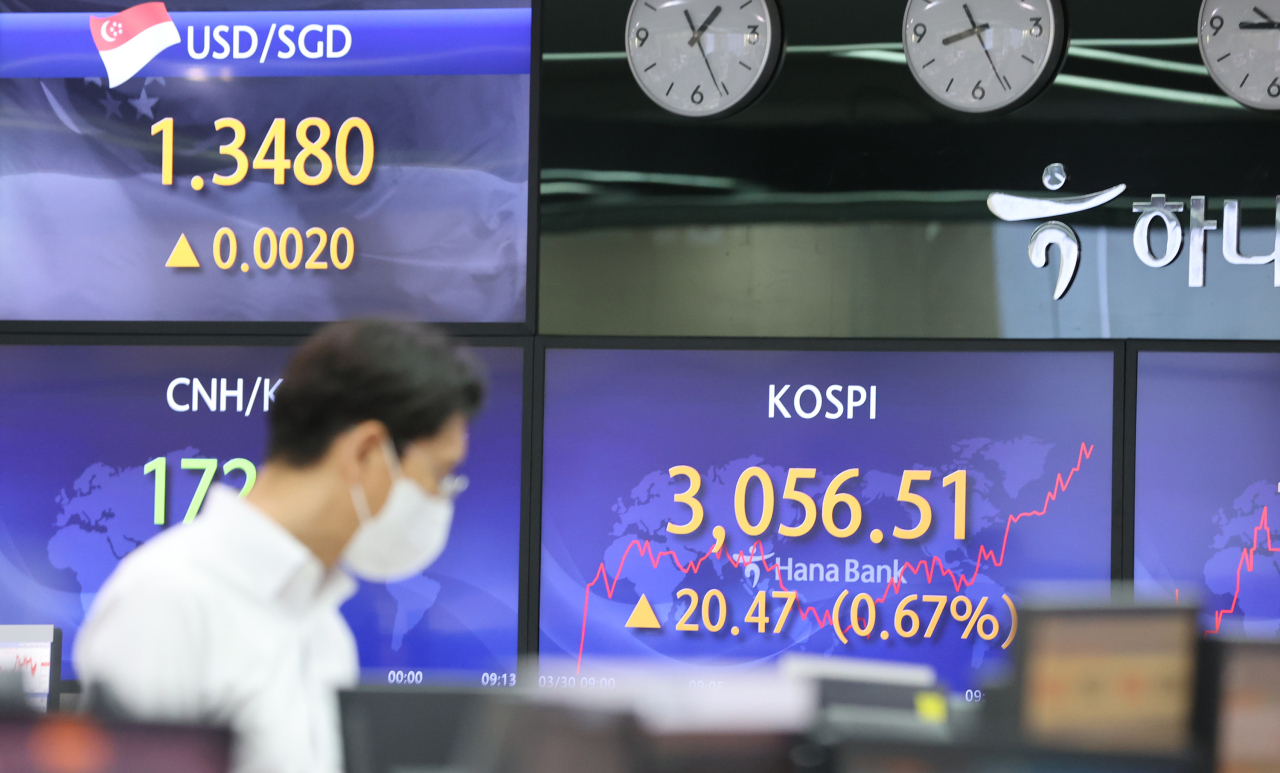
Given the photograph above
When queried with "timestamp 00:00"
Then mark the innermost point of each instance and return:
(289, 247)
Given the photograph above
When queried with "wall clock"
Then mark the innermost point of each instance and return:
(1240, 44)
(704, 58)
(984, 56)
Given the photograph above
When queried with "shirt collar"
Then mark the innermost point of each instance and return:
(265, 559)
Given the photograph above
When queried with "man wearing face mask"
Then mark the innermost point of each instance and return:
(233, 619)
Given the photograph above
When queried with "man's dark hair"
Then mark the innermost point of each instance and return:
(405, 375)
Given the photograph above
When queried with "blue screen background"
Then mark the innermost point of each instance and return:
(78, 423)
(615, 421)
(1208, 459)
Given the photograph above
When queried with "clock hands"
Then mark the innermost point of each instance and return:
(697, 35)
(697, 39)
(974, 30)
(959, 36)
(1269, 24)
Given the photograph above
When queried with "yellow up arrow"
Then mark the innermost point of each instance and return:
(642, 616)
(182, 256)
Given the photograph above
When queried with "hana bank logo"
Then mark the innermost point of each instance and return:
(132, 38)
(1013, 208)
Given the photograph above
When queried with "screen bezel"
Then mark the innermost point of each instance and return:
(1134, 347)
(532, 559)
(284, 329)
(524, 343)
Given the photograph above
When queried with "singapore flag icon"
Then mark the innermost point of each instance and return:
(131, 38)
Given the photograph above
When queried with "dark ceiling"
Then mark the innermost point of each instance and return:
(832, 129)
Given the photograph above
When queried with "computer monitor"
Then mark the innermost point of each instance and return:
(220, 161)
(1109, 679)
(1248, 707)
(385, 729)
(1206, 480)
(35, 652)
(107, 445)
(716, 503)
(64, 743)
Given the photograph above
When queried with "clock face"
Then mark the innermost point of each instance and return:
(1240, 44)
(703, 57)
(981, 56)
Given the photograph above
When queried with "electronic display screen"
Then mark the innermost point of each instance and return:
(87, 432)
(714, 509)
(1205, 486)
(227, 160)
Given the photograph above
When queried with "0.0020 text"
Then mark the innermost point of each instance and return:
(288, 247)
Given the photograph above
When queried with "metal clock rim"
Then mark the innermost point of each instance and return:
(1204, 57)
(1055, 59)
(772, 64)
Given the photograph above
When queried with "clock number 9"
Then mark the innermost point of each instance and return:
(642, 35)
(1216, 23)
(917, 32)
(978, 92)
(1036, 29)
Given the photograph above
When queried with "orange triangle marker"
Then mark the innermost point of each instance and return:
(642, 616)
(182, 256)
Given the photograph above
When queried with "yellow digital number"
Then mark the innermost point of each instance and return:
(905, 495)
(756, 614)
(273, 143)
(961, 480)
(313, 261)
(340, 151)
(795, 475)
(344, 234)
(257, 248)
(941, 602)
(863, 598)
(740, 501)
(164, 127)
(833, 497)
(790, 596)
(293, 235)
(232, 149)
(224, 234)
(903, 613)
(692, 595)
(313, 150)
(714, 593)
(687, 498)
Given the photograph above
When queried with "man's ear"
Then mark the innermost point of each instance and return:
(358, 449)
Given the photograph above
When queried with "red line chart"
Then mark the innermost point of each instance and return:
(929, 566)
(1245, 564)
(28, 662)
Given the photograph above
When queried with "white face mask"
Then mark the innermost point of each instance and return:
(407, 533)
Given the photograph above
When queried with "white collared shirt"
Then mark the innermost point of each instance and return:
(228, 620)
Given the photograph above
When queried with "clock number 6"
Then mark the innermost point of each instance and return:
(1274, 89)
(1036, 29)
(917, 32)
(978, 92)
(697, 95)
(642, 35)
(1216, 23)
